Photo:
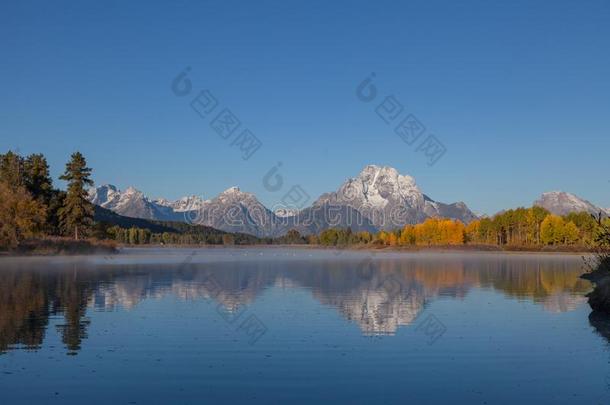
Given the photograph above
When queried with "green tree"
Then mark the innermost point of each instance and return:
(76, 212)
(37, 179)
(292, 237)
(329, 237)
(587, 225)
(12, 170)
(53, 218)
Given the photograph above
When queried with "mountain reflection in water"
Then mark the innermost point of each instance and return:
(380, 293)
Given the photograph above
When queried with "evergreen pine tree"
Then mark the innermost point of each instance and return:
(11, 170)
(37, 179)
(77, 212)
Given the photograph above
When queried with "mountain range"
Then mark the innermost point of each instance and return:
(562, 203)
(378, 198)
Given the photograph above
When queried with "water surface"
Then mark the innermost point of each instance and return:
(272, 325)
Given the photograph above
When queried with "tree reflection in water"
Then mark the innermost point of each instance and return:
(33, 292)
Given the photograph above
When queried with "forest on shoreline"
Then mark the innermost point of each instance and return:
(34, 215)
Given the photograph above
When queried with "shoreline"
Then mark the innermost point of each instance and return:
(366, 248)
(60, 246)
(69, 247)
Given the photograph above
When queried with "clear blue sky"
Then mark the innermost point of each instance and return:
(519, 93)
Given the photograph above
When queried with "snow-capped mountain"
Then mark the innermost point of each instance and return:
(457, 210)
(378, 198)
(133, 203)
(562, 203)
(189, 203)
(390, 200)
(285, 212)
(318, 217)
(236, 211)
(105, 196)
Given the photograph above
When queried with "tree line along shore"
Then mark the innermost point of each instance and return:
(35, 216)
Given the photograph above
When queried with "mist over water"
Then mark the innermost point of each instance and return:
(274, 324)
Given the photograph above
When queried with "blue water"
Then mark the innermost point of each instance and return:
(275, 325)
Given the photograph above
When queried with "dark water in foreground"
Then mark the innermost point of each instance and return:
(279, 325)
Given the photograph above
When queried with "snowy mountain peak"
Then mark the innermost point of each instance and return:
(234, 194)
(379, 197)
(384, 183)
(371, 172)
(162, 202)
(133, 203)
(232, 190)
(377, 187)
(188, 203)
(377, 175)
(132, 191)
(109, 187)
(563, 203)
(285, 212)
(381, 193)
(103, 194)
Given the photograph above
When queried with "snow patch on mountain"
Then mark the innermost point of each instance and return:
(184, 204)
(379, 197)
(133, 203)
(285, 212)
(390, 199)
(234, 210)
(377, 187)
(563, 203)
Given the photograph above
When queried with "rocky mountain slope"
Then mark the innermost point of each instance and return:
(236, 211)
(133, 203)
(378, 198)
(562, 203)
(390, 200)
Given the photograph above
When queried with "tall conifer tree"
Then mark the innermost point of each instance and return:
(37, 179)
(11, 170)
(76, 214)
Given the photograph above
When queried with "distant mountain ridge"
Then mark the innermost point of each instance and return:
(209, 234)
(562, 203)
(184, 204)
(378, 198)
(388, 199)
(133, 203)
(236, 211)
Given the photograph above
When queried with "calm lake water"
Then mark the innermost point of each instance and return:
(275, 325)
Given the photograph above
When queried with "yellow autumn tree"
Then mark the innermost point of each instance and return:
(471, 231)
(437, 231)
(571, 233)
(407, 236)
(392, 239)
(21, 217)
(427, 233)
(552, 230)
(451, 232)
(382, 237)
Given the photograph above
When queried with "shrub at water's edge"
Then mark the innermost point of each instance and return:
(65, 246)
(598, 273)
